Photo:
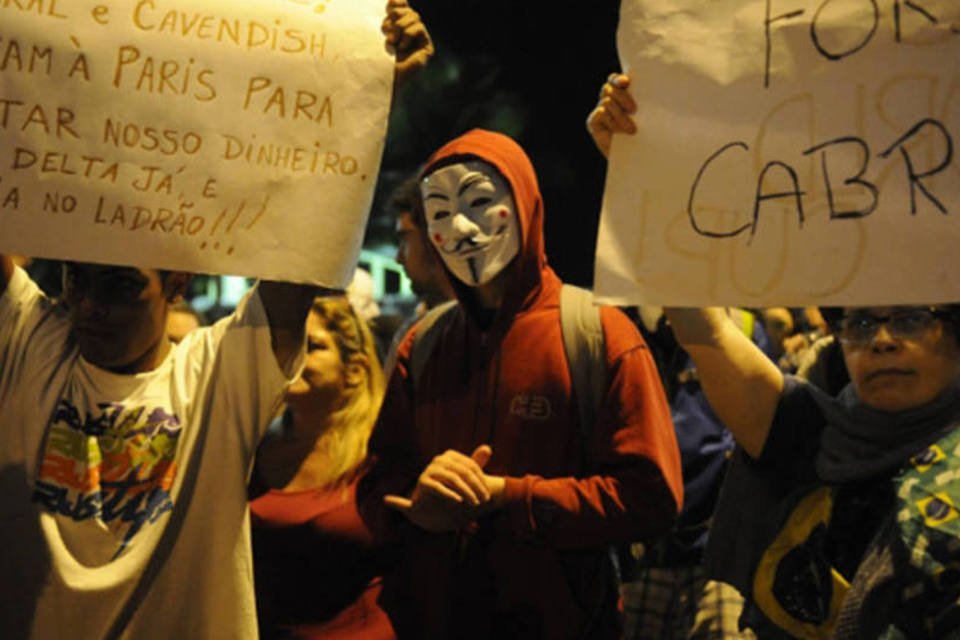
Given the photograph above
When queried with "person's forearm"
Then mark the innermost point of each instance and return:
(287, 306)
(742, 385)
(571, 513)
(698, 326)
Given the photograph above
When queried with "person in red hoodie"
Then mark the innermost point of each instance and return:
(503, 515)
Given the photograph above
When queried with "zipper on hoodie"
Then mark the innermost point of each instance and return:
(465, 535)
(482, 395)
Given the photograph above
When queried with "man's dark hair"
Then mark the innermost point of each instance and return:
(406, 198)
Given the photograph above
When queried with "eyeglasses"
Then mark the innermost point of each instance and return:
(911, 323)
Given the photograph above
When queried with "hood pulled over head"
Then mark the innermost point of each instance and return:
(513, 165)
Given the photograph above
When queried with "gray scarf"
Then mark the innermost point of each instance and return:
(860, 442)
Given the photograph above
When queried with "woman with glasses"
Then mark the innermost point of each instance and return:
(316, 572)
(839, 518)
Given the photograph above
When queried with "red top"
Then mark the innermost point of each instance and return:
(315, 567)
(518, 571)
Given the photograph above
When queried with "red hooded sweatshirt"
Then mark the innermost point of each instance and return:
(534, 567)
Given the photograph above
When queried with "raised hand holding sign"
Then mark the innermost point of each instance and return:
(789, 152)
(214, 136)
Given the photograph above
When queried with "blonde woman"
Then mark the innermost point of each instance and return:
(315, 568)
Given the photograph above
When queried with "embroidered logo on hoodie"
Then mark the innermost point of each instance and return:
(530, 407)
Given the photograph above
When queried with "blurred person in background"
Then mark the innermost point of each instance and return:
(779, 325)
(428, 279)
(316, 570)
(427, 276)
(182, 318)
(361, 296)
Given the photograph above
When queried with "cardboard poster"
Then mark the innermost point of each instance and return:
(790, 152)
(218, 136)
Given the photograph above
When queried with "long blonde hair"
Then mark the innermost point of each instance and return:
(345, 437)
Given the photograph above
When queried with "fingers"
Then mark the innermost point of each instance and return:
(414, 40)
(619, 80)
(405, 32)
(618, 120)
(600, 129)
(414, 61)
(447, 484)
(473, 469)
(403, 27)
(481, 455)
(408, 21)
(396, 8)
(613, 113)
(398, 502)
(454, 473)
(615, 92)
(619, 104)
(426, 512)
(388, 29)
(452, 491)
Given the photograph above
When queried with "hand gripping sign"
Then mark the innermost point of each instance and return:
(790, 152)
(223, 136)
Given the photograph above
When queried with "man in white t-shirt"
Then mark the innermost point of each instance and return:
(124, 458)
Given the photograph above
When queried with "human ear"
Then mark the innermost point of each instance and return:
(175, 285)
(355, 370)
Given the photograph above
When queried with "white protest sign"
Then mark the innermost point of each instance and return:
(790, 152)
(223, 136)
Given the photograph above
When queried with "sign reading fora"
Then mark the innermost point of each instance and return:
(803, 153)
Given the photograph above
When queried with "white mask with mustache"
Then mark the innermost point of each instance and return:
(471, 220)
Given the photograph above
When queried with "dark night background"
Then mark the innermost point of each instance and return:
(530, 69)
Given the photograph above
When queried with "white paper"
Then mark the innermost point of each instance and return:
(846, 83)
(219, 136)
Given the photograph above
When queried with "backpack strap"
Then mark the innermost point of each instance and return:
(586, 351)
(585, 348)
(428, 330)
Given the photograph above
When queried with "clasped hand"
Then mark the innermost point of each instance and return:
(613, 113)
(408, 36)
(451, 492)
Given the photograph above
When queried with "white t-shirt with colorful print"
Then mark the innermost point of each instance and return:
(123, 507)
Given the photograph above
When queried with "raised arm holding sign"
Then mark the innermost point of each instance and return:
(858, 489)
(207, 138)
(124, 460)
(794, 152)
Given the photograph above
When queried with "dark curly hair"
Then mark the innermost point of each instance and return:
(406, 199)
